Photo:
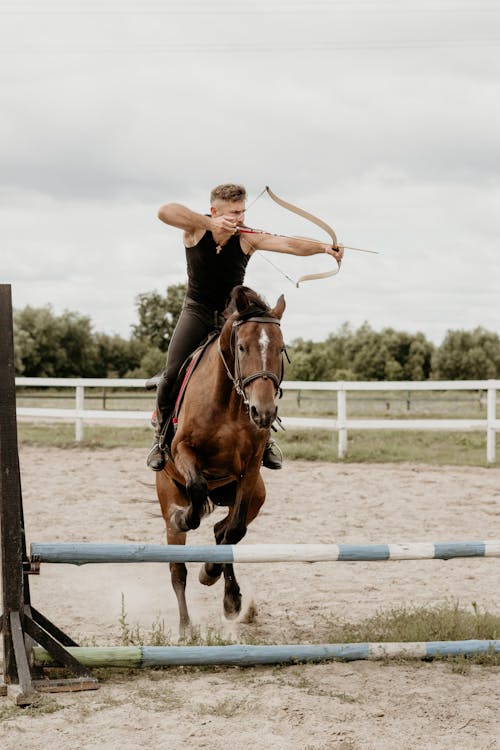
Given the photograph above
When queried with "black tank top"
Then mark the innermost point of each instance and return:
(212, 274)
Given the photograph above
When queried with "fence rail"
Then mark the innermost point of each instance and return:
(491, 425)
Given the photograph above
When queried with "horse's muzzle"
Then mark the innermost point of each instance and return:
(263, 417)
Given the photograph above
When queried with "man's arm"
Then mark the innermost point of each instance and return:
(292, 245)
(194, 224)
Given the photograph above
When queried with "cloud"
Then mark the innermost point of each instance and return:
(381, 118)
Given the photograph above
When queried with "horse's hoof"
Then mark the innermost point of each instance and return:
(232, 606)
(206, 579)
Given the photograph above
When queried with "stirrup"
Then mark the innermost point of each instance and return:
(156, 459)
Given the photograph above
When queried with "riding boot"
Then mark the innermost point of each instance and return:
(156, 456)
(273, 457)
(156, 459)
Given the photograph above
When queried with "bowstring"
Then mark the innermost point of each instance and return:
(261, 254)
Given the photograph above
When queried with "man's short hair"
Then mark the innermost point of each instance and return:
(228, 192)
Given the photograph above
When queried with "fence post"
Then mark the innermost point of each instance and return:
(341, 420)
(490, 427)
(79, 404)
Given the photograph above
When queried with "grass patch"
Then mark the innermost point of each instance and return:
(62, 435)
(431, 447)
(158, 635)
(370, 446)
(387, 446)
(132, 635)
(445, 622)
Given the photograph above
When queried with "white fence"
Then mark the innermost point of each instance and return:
(342, 424)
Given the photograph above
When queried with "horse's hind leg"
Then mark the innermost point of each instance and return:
(171, 497)
(238, 521)
(211, 572)
(230, 531)
(225, 495)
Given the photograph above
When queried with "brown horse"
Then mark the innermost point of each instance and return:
(222, 429)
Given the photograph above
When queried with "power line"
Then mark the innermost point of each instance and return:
(269, 8)
(246, 46)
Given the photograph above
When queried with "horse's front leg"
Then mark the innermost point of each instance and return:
(186, 462)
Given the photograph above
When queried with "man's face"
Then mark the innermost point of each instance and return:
(233, 209)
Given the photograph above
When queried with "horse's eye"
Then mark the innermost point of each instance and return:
(241, 348)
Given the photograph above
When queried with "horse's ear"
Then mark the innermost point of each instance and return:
(239, 298)
(279, 308)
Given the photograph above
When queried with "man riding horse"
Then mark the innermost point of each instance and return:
(217, 255)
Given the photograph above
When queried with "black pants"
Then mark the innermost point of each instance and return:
(195, 323)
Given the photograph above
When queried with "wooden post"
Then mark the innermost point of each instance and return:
(16, 673)
(20, 623)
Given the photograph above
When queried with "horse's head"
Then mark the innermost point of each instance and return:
(252, 334)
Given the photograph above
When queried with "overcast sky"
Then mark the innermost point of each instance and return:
(380, 117)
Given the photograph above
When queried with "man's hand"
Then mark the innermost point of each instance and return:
(335, 252)
(223, 223)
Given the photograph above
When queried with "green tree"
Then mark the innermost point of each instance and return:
(151, 363)
(158, 316)
(116, 356)
(362, 354)
(389, 354)
(21, 344)
(468, 355)
(54, 346)
(300, 366)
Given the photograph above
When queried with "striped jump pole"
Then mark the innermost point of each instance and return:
(76, 553)
(134, 657)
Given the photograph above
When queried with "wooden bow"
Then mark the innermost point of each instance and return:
(315, 220)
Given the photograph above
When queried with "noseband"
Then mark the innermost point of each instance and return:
(241, 383)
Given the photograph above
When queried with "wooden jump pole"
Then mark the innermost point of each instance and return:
(134, 657)
(82, 553)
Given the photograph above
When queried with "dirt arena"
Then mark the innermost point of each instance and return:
(85, 495)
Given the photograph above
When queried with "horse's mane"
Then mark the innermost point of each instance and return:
(246, 303)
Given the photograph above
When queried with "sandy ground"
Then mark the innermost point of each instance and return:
(87, 495)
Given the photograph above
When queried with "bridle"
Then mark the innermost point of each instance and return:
(239, 382)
